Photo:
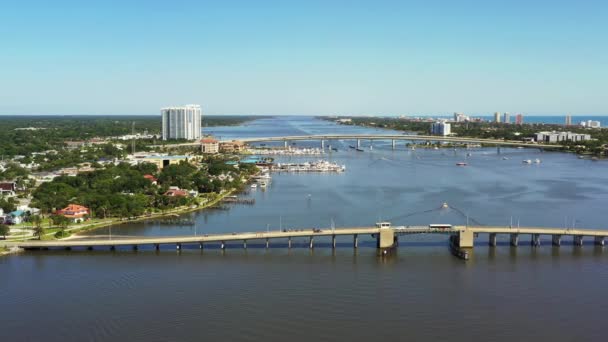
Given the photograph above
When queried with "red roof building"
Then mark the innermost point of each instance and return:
(74, 211)
(176, 193)
(152, 179)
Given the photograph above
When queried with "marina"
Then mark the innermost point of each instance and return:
(317, 166)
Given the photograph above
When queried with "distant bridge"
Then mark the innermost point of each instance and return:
(393, 138)
(462, 237)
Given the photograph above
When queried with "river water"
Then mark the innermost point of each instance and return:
(421, 292)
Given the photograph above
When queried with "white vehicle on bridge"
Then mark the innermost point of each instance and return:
(383, 224)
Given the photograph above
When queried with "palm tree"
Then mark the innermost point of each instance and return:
(39, 232)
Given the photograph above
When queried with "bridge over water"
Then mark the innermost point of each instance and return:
(462, 238)
(393, 138)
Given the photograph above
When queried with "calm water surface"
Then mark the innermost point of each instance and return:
(420, 293)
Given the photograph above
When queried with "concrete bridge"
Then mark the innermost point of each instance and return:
(462, 238)
(393, 138)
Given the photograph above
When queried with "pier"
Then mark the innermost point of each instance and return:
(461, 238)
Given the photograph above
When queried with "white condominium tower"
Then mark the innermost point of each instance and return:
(181, 122)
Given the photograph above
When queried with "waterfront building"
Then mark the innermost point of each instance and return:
(75, 212)
(497, 117)
(210, 146)
(441, 128)
(181, 122)
(506, 118)
(555, 137)
(591, 124)
(519, 119)
(234, 146)
(568, 120)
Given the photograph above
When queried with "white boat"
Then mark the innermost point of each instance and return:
(537, 161)
(527, 161)
(505, 158)
(253, 186)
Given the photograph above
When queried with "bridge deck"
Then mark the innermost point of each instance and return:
(123, 241)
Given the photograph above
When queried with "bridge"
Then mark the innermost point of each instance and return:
(393, 138)
(462, 238)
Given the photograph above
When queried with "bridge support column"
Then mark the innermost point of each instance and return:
(578, 240)
(223, 245)
(135, 247)
(68, 248)
(466, 238)
(311, 244)
(514, 239)
(112, 248)
(90, 248)
(492, 240)
(245, 244)
(385, 240)
(497, 149)
(322, 145)
(285, 143)
(393, 143)
(599, 240)
(333, 241)
(267, 243)
(200, 245)
(157, 246)
(535, 240)
(289, 242)
(358, 143)
(556, 240)
(355, 241)
(178, 246)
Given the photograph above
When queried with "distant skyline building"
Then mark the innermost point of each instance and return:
(519, 119)
(497, 117)
(441, 128)
(181, 122)
(591, 124)
(506, 117)
(568, 120)
(461, 117)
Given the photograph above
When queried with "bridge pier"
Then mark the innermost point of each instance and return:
(535, 240)
(267, 243)
(135, 247)
(578, 240)
(311, 244)
(285, 144)
(112, 248)
(556, 240)
(355, 241)
(497, 149)
(599, 240)
(200, 245)
(514, 239)
(90, 248)
(333, 241)
(245, 244)
(492, 238)
(289, 242)
(223, 245)
(358, 143)
(385, 240)
(178, 246)
(68, 248)
(322, 145)
(393, 143)
(466, 238)
(157, 246)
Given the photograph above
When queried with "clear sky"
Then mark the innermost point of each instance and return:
(304, 57)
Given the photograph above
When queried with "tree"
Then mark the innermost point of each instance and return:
(4, 230)
(39, 232)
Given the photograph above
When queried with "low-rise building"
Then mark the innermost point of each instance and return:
(234, 146)
(75, 212)
(556, 137)
(162, 161)
(210, 146)
(8, 188)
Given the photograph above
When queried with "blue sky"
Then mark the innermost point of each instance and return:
(304, 57)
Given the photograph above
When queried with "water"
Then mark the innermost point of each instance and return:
(422, 292)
